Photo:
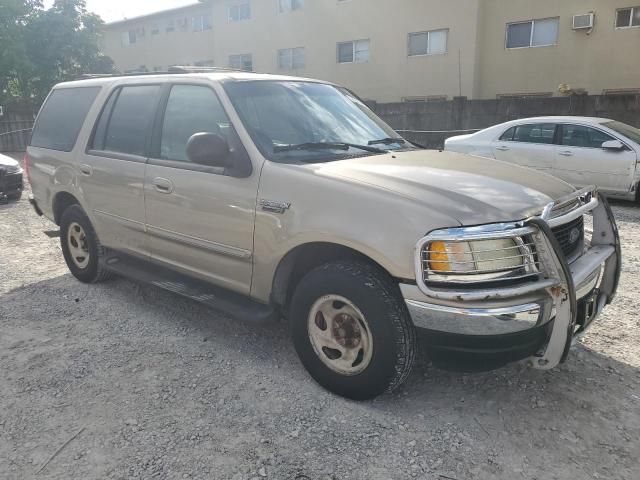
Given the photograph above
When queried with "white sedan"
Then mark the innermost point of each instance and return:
(580, 150)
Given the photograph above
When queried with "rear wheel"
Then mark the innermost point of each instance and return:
(80, 246)
(351, 329)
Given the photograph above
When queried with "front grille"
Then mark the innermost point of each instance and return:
(570, 236)
(10, 183)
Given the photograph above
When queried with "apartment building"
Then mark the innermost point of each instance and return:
(400, 50)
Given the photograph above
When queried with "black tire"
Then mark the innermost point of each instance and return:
(378, 298)
(15, 197)
(95, 271)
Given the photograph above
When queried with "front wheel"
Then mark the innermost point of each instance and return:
(352, 330)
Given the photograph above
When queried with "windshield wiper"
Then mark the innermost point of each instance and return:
(326, 146)
(388, 141)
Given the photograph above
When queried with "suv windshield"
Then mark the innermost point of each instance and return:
(628, 131)
(309, 122)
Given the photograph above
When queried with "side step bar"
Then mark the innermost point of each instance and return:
(226, 301)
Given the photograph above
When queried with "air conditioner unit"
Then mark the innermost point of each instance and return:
(583, 22)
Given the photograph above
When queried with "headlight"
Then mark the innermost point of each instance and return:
(482, 256)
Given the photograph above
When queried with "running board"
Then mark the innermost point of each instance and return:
(226, 301)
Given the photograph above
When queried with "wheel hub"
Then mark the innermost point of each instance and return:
(78, 245)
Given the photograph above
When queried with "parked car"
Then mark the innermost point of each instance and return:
(11, 185)
(267, 197)
(580, 150)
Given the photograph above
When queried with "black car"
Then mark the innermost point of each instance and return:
(11, 184)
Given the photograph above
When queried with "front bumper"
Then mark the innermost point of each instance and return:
(545, 316)
(10, 184)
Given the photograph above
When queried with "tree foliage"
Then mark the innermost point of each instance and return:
(40, 48)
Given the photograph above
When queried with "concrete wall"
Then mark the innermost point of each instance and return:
(450, 118)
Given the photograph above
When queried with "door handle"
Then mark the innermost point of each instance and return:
(163, 185)
(566, 153)
(502, 148)
(86, 170)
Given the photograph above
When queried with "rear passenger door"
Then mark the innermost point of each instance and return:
(112, 171)
(581, 160)
(529, 145)
(200, 219)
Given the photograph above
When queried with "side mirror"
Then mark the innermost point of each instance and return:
(613, 145)
(208, 149)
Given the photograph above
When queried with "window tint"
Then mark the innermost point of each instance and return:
(508, 135)
(191, 109)
(62, 117)
(579, 136)
(535, 133)
(126, 129)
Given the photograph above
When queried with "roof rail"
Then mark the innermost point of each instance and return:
(173, 70)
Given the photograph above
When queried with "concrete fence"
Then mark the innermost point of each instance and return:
(430, 123)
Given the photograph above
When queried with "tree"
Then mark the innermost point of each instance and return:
(48, 46)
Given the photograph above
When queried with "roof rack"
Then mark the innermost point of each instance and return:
(173, 70)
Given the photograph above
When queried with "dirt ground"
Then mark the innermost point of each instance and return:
(146, 384)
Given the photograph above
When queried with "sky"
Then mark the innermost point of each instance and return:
(112, 10)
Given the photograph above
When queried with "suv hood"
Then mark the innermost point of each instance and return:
(473, 190)
(7, 161)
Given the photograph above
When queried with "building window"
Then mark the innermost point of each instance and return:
(534, 33)
(628, 17)
(353, 52)
(129, 38)
(201, 23)
(155, 29)
(241, 62)
(171, 26)
(285, 6)
(291, 58)
(240, 11)
(428, 43)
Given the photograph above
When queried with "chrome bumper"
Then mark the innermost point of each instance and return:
(586, 285)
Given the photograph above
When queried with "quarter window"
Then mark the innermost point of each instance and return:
(291, 58)
(191, 109)
(285, 6)
(240, 11)
(428, 43)
(62, 117)
(535, 133)
(353, 52)
(533, 33)
(241, 62)
(508, 135)
(124, 128)
(628, 17)
(581, 136)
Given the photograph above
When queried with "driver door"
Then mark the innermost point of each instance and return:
(199, 218)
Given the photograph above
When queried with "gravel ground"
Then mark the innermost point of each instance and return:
(161, 387)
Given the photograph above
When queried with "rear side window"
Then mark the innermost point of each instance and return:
(61, 118)
(124, 124)
(535, 133)
(579, 136)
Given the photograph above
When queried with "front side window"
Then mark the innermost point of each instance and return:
(291, 58)
(241, 62)
(533, 33)
(353, 52)
(285, 6)
(240, 11)
(305, 121)
(628, 17)
(190, 109)
(62, 117)
(428, 43)
(535, 133)
(124, 127)
(581, 136)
